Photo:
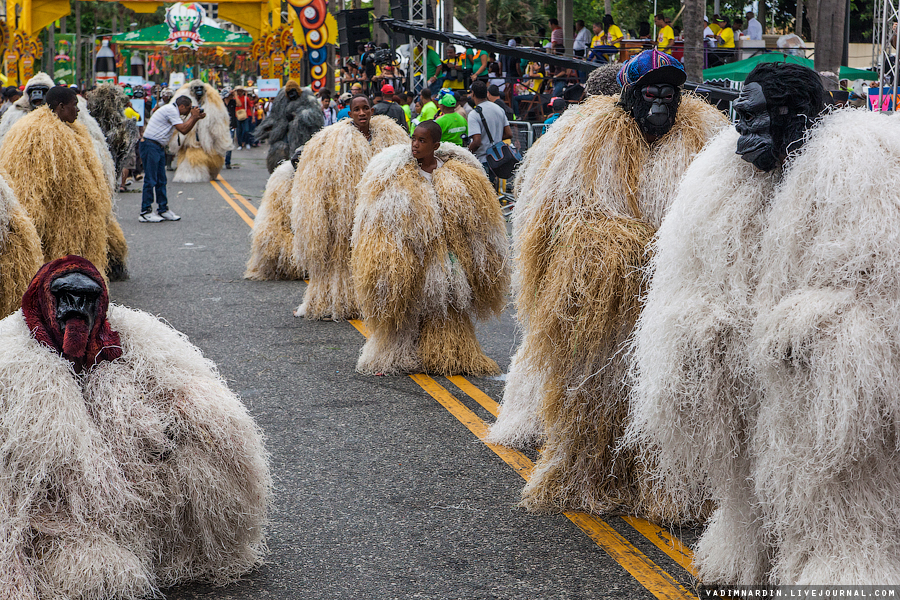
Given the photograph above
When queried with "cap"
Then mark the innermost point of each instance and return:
(387, 89)
(651, 66)
(345, 97)
(447, 100)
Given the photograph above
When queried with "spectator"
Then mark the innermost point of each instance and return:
(388, 107)
(557, 106)
(489, 114)
(429, 108)
(230, 105)
(543, 40)
(453, 125)
(344, 101)
(494, 96)
(665, 36)
(557, 44)
(405, 99)
(433, 69)
(562, 79)
(644, 32)
(462, 104)
(709, 36)
(582, 39)
(327, 109)
(476, 63)
(452, 69)
(356, 90)
(724, 42)
(754, 29)
(714, 24)
(738, 28)
(242, 112)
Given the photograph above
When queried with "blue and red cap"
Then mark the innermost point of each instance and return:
(651, 66)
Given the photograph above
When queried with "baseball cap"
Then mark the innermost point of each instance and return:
(447, 100)
(387, 89)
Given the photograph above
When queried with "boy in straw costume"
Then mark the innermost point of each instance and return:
(126, 464)
(600, 188)
(51, 165)
(767, 356)
(429, 257)
(324, 198)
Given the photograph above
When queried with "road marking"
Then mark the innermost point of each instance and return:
(235, 193)
(645, 571)
(236, 208)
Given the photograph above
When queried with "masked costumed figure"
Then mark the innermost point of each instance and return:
(201, 152)
(272, 241)
(53, 169)
(766, 357)
(429, 257)
(324, 198)
(600, 190)
(603, 81)
(127, 464)
(295, 116)
(107, 103)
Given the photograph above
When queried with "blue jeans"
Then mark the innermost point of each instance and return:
(243, 132)
(228, 154)
(154, 158)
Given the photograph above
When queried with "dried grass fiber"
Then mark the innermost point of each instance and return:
(598, 193)
(272, 241)
(428, 259)
(144, 473)
(324, 198)
(53, 168)
(20, 251)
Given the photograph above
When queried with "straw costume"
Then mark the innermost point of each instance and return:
(201, 152)
(272, 241)
(324, 198)
(601, 188)
(295, 116)
(766, 358)
(53, 168)
(428, 259)
(20, 251)
(127, 464)
(107, 103)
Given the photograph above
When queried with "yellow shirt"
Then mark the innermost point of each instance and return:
(715, 28)
(597, 40)
(726, 37)
(614, 33)
(664, 39)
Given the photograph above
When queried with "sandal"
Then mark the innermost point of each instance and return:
(122, 189)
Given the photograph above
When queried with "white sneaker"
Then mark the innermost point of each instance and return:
(150, 217)
(168, 216)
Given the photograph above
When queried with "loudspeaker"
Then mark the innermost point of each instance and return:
(400, 11)
(353, 29)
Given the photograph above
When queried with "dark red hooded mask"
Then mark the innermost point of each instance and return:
(52, 312)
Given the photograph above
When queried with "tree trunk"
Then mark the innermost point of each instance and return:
(78, 40)
(830, 46)
(798, 19)
(607, 6)
(761, 16)
(692, 19)
(447, 7)
(482, 18)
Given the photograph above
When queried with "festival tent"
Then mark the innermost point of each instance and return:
(158, 35)
(738, 71)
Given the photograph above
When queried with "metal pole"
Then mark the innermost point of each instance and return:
(78, 41)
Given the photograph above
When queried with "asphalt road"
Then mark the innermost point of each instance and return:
(381, 492)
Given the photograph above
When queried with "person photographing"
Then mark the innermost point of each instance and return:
(153, 155)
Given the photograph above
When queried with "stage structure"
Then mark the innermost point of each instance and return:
(886, 14)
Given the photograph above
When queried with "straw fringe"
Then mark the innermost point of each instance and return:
(597, 193)
(272, 241)
(427, 259)
(20, 251)
(323, 200)
(146, 473)
(53, 168)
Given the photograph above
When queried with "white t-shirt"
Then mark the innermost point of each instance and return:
(496, 121)
(582, 39)
(754, 29)
(429, 176)
(159, 128)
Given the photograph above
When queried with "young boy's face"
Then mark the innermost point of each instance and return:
(326, 102)
(423, 147)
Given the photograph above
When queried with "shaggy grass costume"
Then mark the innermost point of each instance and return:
(132, 468)
(599, 192)
(56, 173)
(428, 259)
(107, 103)
(20, 251)
(272, 241)
(766, 358)
(324, 198)
(201, 152)
(289, 124)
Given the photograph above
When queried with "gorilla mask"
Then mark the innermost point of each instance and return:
(650, 91)
(292, 94)
(198, 90)
(36, 94)
(778, 104)
(65, 309)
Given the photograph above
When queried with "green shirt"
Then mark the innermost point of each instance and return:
(408, 112)
(428, 112)
(432, 63)
(453, 127)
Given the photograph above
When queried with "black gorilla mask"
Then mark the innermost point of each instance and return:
(293, 94)
(36, 94)
(756, 144)
(653, 106)
(778, 104)
(76, 298)
(198, 90)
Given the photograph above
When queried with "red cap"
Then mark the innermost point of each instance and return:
(387, 89)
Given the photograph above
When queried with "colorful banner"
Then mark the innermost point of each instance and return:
(64, 58)
(184, 21)
(319, 29)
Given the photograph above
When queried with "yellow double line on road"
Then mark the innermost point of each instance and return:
(645, 571)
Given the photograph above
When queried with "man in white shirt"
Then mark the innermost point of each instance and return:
(582, 39)
(153, 155)
(754, 29)
(486, 112)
